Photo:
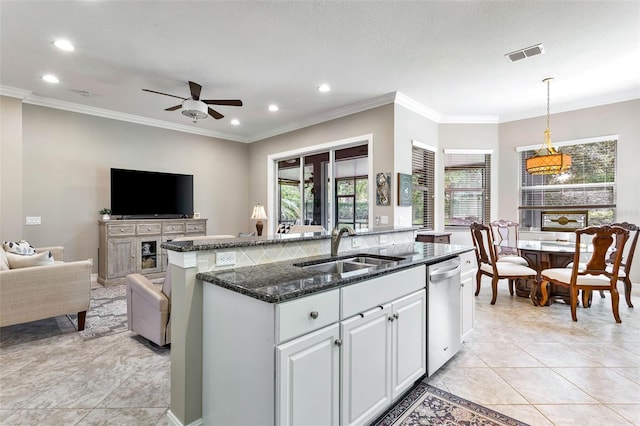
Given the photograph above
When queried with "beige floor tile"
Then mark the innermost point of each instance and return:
(603, 384)
(556, 354)
(525, 413)
(544, 386)
(631, 373)
(631, 412)
(480, 385)
(53, 417)
(583, 415)
(503, 354)
(123, 416)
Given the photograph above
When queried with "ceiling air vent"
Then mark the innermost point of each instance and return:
(527, 52)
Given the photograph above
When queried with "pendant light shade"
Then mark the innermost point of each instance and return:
(548, 160)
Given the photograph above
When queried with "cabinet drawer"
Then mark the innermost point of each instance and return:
(368, 294)
(114, 230)
(468, 262)
(148, 228)
(173, 228)
(441, 239)
(193, 228)
(297, 317)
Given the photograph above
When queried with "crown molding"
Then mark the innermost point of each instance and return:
(30, 99)
(415, 106)
(470, 119)
(355, 108)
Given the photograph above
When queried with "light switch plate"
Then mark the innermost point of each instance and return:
(384, 220)
(33, 220)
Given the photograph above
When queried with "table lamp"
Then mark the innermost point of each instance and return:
(259, 214)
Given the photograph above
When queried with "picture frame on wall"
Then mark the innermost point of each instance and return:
(404, 189)
(383, 189)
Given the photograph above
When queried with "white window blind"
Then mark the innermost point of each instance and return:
(423, 200)
(467, 183)
(590, 184)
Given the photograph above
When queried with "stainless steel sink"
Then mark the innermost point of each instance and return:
(339, 267)
(359, 263)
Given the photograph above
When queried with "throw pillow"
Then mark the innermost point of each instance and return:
(17, 261)
(4, 262)
(19, 247)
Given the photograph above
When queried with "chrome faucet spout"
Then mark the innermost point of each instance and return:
(336, 235)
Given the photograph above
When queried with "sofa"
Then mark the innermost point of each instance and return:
(36, 292)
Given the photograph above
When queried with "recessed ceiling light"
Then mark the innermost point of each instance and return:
(235, 122)
(324, 88)
(50, 78)
(64, 45)
(273, 107)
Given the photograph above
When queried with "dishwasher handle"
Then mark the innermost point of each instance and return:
(443, 275)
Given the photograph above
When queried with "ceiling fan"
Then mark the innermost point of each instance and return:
(196, 108)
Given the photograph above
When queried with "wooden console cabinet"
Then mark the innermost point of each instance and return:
(134, 246)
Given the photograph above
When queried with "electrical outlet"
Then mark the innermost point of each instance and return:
(33, 220)
(225, 258)
(356, 242)
(383, 239)
(384, 220)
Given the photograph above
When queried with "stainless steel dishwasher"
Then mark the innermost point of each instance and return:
(443, 314)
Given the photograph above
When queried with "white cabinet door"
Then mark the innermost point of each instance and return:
(366, 362)
(467, 299)
(409, 347)
(307, 379)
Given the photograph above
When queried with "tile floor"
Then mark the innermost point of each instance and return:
(533, 364)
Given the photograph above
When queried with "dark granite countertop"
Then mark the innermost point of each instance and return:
(202, 243)
(281, 281)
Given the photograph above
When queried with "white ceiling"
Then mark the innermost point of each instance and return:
(444, 58)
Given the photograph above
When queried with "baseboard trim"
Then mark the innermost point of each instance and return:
(176, 422)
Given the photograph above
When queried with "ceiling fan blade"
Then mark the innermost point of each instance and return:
(215, 114)
(195, 90)
(173, 108)
(166, 94)
(230, 102)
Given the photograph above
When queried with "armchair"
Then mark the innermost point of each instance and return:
(149, 308)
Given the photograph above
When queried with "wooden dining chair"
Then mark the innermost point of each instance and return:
(627, 257)
(597, 274)
(505, 235)
(488, 262)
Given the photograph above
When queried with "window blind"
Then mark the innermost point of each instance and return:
(422, 169)
(467, 181)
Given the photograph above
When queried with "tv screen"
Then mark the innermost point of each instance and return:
(151, 194)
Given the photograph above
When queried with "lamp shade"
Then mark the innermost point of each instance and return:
(258, 212)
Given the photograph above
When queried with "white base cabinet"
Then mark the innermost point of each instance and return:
(468, 265)
(334, 363)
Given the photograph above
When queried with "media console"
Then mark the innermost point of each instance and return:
(133, 246)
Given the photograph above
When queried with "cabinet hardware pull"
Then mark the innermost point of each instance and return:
(338, 342)
(390, 318)
(396, 315)
(314, 314)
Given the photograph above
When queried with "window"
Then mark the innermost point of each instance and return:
(422, 170)
(467, 187)
(590, 184)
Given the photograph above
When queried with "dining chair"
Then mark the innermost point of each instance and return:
(488, 262)
(505, 235)
(597, 273)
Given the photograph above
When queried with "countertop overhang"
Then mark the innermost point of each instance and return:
(281, 281)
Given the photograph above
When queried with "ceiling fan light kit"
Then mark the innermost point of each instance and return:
(196, 110)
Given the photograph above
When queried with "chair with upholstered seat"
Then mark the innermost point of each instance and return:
(505, 235)
(627, 257)
(596, 274)
(488, 262)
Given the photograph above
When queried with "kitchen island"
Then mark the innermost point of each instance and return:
(262, 287)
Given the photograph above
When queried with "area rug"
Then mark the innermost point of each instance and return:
(426, 405)
(107, 315)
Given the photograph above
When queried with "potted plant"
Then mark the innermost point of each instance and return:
(105, 212)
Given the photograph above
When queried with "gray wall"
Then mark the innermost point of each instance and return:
(10, 169)
(66, 161)
(377, 121)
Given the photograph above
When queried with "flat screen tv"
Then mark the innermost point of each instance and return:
(141, 193)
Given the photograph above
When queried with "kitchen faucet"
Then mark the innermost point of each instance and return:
(336, 235)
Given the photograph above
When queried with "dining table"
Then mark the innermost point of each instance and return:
(541, 255)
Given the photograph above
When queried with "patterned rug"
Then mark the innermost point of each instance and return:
(426, 405)
(107, 315)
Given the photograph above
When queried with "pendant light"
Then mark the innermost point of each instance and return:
(548, 160)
